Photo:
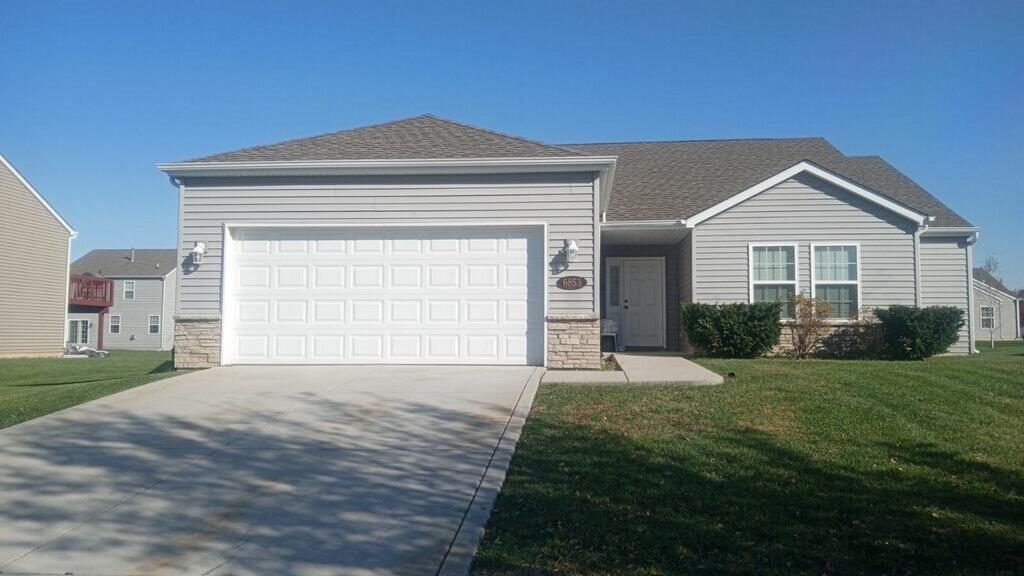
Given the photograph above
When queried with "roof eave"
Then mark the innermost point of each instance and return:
(603, 164)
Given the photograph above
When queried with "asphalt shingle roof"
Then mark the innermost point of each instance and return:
(117, 262)
(419, 138)
(671, 180)
(983, 276)
(653, 180)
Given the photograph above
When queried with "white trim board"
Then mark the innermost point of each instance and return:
(38, 196)
(807, 167)
(986, 288)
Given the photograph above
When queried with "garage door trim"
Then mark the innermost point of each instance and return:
(230, 228)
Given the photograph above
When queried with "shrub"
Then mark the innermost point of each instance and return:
(912, 333)
(809, 326)
(861, 338)
(732, 330)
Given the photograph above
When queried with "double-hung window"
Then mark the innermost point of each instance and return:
(988, 317)
(773, 275)
(129, 290)
(836, 278)
(154, 324)
(115, 324)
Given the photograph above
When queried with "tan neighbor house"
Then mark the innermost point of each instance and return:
(33, 269)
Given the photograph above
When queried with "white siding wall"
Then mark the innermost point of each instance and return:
(564, 201)
(1005, 311)
(805, 209)
(945, 279)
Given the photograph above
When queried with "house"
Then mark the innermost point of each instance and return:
(36, 249)
(997, 310)
(425, 240)
(140, 313)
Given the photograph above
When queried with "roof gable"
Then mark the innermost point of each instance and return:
(986, 278)
(419, 137)
(147, 262)
(10, 168)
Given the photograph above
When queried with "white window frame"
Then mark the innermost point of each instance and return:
(150, 325)
(124, 289)
(750, 269)
(991, 318)
(110, 325)
(814, 277)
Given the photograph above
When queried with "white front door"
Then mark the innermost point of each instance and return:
(396, 295)
(643, 302)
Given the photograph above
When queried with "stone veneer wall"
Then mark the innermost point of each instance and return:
(196, 341)
(574, 341)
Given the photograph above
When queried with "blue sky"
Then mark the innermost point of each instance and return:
(94, 94)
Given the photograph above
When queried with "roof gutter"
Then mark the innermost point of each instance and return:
(971, 233)
(643, 224)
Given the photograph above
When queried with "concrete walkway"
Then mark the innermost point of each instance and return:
(253, 470)
(640, 368)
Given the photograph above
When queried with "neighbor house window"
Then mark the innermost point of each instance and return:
(837, 278)
(154, 324)
(115, 324)
(773, 275)
(988, 317)
(129, 290)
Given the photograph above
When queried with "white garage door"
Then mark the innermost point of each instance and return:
(451, 295)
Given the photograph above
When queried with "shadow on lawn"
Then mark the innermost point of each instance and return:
(581, 500)
(275, 494)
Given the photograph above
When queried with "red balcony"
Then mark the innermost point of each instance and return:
(90, 291)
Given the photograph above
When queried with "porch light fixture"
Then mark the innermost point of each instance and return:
(197, 253)
(571, 249)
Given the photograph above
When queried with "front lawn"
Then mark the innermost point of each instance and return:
(791, 467)
(32, 387)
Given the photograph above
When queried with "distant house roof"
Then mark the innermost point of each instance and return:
(148, 262)
(983, 276)
(419, 137)
(653, 180)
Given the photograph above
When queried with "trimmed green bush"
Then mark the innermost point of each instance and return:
(912, 333)
(733, 330)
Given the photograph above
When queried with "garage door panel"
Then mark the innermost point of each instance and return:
(427, 295)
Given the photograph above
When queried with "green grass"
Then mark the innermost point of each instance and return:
(33, 387)
(790, 467)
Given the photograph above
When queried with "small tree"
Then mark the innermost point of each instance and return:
(810, 324)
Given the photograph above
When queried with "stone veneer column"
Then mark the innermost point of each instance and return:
(574, 341)
(196, 341)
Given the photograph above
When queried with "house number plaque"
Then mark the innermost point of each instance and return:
(571, 282)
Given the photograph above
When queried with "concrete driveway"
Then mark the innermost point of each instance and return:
(263, 470)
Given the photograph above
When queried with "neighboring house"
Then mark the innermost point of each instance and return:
(431, 241)
(141, 316)
(35, 248)
(997, 310)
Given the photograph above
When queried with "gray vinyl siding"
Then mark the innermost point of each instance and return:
(803, 210)
(170, 286)
(566, 202)
(1004, 308)
(149, 300)
(945, 279)
(33, 280)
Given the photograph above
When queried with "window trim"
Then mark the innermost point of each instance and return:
(124, 289)
(982, 318)
(151, 324)
(110, 325)
(814, 278)
(750, 269)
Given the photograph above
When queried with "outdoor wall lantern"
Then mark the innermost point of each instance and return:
(570, 249)
(197, 253)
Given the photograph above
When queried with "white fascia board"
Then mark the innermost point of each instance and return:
(38, 196)
(815, 170)
(971, 233)
(642, 224)
(602, 164)
(992, 290)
